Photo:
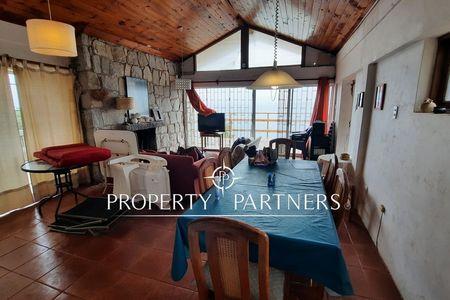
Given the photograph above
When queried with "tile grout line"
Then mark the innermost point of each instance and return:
(27, 260)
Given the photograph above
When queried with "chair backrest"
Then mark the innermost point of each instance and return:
(341, 188)
(288, 145)
(225, 158)
(119, 142)
(237, 154)
(330, 175)
(206, 169)
(227, 243)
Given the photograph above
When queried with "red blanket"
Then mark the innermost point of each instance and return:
(72, 155)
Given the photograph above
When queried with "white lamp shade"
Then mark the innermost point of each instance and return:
(274, 79)
(51, 38)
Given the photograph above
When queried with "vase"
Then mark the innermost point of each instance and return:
(428, 106)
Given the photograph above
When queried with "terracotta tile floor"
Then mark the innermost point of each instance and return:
(133, 260)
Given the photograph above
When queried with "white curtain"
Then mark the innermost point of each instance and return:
(49, 109)
(14, 191)
(50, 114)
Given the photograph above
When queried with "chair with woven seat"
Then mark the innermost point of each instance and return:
(284, 147)
(225, 158)
(205, 170)
(228, 274)
(237, 154)
(342, 189)
(330, 174)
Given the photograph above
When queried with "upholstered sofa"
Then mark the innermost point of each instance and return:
(183, 172)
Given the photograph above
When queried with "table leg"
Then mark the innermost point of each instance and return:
(44, 200)
(70, 186)
(47, 198)
(60, 185)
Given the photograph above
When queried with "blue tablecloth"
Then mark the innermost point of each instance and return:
(303, 242)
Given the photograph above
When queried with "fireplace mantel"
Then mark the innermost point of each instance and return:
(141, 126)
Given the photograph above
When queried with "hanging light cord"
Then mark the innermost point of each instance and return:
(275, 44)
(49, 10)
(182, 49)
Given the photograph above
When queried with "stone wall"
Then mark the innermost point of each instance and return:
(101, 68)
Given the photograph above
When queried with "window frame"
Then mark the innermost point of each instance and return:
(207, 47)
(441, 72)
(244, 51)
(301, 56)
(291, 111)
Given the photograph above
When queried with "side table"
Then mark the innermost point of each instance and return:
(205, 135)
(40, 166)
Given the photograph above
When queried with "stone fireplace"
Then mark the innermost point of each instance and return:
(101, 68)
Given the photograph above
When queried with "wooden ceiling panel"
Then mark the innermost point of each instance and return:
(149, 25)
(324, 24)
(153, 26)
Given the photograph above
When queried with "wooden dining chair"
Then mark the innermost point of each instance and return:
(228, 273)
(225, 158)
(288, 145)
(342, 189)
(330, 174)
(237, 154)
(206, 169)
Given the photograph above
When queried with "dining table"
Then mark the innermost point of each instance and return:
(303, 239)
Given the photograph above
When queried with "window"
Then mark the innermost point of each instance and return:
(277, 113)
(225, 55)
(440, 90)
(270, 115)
(15, 97)
(260, 51)
(303, 100)
(236, 103)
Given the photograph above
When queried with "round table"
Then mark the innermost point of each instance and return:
(40, 166)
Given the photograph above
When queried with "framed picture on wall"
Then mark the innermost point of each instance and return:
(360, 100)
(137, 88)
(379, 96)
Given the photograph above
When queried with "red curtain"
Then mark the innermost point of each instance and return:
(198, 104)
(320, 111)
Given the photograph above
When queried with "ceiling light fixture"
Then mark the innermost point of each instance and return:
(49, 37)
(274, 79)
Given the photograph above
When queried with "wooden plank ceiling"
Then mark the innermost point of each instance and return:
(172, 28)
(323, 24)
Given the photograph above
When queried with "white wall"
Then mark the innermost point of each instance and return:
(344, 111)
(406, 165)
(14, 42)
(356, 114)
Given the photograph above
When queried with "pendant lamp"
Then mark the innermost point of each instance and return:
(49, 37)
(274, 79)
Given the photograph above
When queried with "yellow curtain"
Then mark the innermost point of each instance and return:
(49, 112)
(14, 191)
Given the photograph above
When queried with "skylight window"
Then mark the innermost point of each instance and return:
(225, 55)
(261, 51)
